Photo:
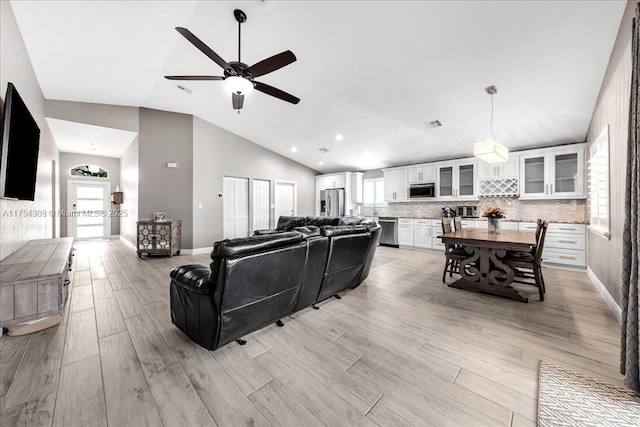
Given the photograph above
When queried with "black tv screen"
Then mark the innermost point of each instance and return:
(20, 146)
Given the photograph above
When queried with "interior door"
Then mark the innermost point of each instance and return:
(261, 204)
(88, 209)
(286, 203)
(236, 207)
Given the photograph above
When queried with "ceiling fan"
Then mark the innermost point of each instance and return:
(238, 76)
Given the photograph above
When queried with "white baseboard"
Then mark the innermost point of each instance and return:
(129, 244)
(606, 296)
(196, 251)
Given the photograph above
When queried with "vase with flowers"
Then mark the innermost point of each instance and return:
(494, 214)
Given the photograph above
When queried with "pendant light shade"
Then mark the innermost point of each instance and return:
(237, 84)
(490, 150)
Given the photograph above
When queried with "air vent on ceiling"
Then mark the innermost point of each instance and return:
(184, 88)
(433, 124)
(323, 150)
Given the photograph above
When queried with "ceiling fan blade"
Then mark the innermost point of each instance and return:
(194, 78)
(237, 99)
(205, 49)
(280, 94)
(271, 64)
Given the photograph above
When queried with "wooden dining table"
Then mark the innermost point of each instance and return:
(483, 270)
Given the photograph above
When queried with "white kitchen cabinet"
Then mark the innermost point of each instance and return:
(457, 180)
(422, 173)
(405, 231)
(395, 185)
(557, 173)
(422, 233)
(357, 187)
(335, 181)
(508, 169)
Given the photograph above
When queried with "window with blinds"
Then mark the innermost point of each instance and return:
(599, 185)
(373, 193)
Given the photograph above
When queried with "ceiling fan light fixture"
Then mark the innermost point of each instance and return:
(237, 84)
(490, 150)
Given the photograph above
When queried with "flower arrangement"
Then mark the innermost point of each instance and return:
(494, 212)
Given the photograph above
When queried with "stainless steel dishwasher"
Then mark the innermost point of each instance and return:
(389, 232)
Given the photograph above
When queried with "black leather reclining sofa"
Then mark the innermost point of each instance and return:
(258, 280)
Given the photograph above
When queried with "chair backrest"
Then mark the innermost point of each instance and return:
(457, 222)
(540, 242)
(540, 221)
(446, 225)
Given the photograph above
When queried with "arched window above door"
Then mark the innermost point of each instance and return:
(92, 171)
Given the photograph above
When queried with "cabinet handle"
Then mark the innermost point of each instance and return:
(566, 228)
(567, 241)
(566, 257)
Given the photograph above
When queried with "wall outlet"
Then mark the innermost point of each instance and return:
(172, 165)
(199, 205)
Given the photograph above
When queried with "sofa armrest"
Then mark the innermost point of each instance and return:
(265, 232)
(193, 277)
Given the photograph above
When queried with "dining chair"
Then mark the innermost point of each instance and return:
(457, 223)
(528, 267)
(452, 254)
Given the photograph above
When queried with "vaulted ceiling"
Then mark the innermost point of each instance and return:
(372, 71)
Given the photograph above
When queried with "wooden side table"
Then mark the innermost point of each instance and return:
(158, 237)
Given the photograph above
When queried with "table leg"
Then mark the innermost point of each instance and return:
(478, 275)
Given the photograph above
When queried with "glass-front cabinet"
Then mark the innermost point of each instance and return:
(457, 180)
(553, 174)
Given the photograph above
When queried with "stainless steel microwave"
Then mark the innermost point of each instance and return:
(422, 191)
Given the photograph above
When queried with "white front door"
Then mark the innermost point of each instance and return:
(286, 203)
(236, 207)
(88, 210)
(261, 208)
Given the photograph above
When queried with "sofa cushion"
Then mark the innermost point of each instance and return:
(193, 277)
(342, 230)
(350, 220)
(290, 222)
(322, 220)
(308, 231)
(252, 244)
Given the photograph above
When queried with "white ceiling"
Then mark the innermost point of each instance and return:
(74, 137)
(373, 71)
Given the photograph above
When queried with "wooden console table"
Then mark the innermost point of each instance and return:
(34, 279)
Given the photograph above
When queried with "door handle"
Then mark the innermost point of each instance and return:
(551, 188)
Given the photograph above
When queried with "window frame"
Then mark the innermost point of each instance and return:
(376, 203)
(599, 168)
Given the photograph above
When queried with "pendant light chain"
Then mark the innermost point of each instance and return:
(491, 129)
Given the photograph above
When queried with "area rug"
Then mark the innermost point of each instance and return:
(566, 398)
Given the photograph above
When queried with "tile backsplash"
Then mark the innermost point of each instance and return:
(520, 210)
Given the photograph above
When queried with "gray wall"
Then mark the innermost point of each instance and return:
(129, 186)
(612, 107)
(15, 67)
(69, 160)
(218, 153)
(166, 137)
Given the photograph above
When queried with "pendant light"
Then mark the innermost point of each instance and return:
(490, 150)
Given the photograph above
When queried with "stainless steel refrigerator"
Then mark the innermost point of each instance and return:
(332, 202)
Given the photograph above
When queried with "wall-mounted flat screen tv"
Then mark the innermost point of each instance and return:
(20, 146)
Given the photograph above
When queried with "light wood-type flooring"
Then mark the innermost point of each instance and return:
(401, 350)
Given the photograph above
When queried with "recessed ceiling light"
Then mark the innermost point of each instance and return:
(339, 137)
(366, 152)
(321, 163)
(294, 150)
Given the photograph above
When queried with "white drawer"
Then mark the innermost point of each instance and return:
(564, 256)
(567, 228)
(480, 224)
(405, 221)
(565, 241)
(467, 223)
(528, 226)
(426, 222)
(437, 243)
